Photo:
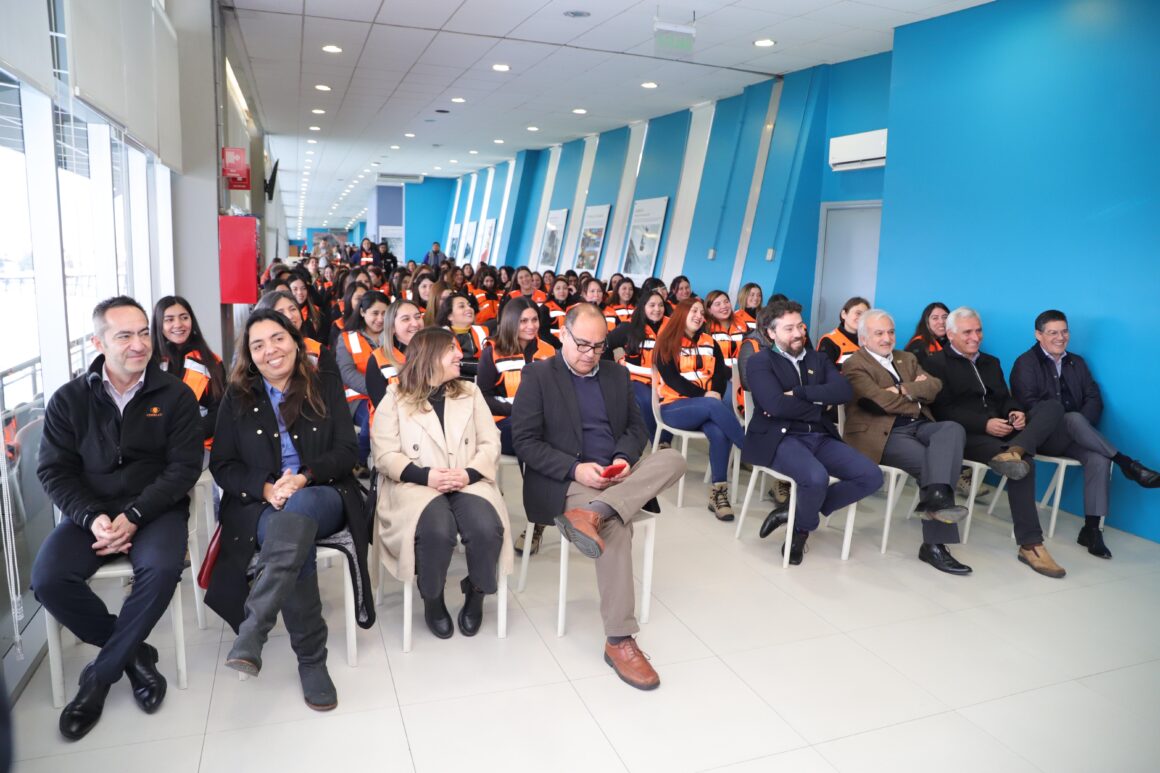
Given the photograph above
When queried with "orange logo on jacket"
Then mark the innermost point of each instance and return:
(153, 413)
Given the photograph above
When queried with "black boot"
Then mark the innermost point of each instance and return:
(289, 537)
(302, 614)
(147, 682)
(778, 517)
(797, 547)
(82, 713)
(438, 618)
(471, 616)
(1092, 538)
(940, 558)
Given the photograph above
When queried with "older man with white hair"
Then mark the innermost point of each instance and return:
(999, 431)
(890, 421)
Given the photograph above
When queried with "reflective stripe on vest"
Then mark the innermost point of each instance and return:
(639, 365)
(697, 365)
(196, 377)
(510, 370)
(353, 341)
(846, 347)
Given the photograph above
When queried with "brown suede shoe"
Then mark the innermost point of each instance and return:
(1041, 561)
(582, 528)
(631, 665)
(1011, 463)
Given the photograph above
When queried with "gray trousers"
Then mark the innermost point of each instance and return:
(931, 451)
(649, 477)
(1077, 438)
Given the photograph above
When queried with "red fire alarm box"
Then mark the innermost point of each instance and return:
(238, 258)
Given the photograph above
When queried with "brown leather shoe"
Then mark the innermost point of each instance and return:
(631, 665)
(1041, 561)
(582, 528)
(1011, 463)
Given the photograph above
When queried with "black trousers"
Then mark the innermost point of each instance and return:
(1042, 421)
(445, 518)
(67, 560)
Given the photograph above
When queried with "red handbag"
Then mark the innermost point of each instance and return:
(211, 556)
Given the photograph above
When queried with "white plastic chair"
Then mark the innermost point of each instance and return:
(324, 557)
(1054, 490)
(409, 603)
(684, 434)
(200, 499)
(895, 479)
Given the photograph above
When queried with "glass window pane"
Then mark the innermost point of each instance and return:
(120, 208)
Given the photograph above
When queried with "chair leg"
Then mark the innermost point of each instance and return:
(195, 570)
(351, 618)
(976, 481)
(176, 612)
(754, 477)
(562, 604)
(501, 611)
(1055, 481)
(650, 543)
(851, 511)
(681, 482)
(736, 474)
(523, 583)
(1058, 480)
(408, 589)
(789, 526)
(998, 490)
(55, 659)
(914, 502)
(894, 487)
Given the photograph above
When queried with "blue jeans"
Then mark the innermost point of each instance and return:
(644, 402)
(362, 420)
(716, 420)
(322, 504)
(505, 436)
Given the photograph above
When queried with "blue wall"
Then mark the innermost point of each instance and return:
(498, 181)
(427, 210)
(859, 101)
(607, 169)
(1022, 175)
(527, 189)
(477, 202)
(660, 168)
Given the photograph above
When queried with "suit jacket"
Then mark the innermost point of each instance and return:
(870, 417)
(963, 398)
(546, 429)
(770, 375)
(1033, 380)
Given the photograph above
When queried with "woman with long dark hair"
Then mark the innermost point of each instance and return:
(523, 285)
(180, 349)
(680, 289)
(455, 314)
(557, 306)
(364, 325)
(693, 379)
(350, 300)
(318, 355)
(637, 340)
(623, 302)
(842, 341)
(657, 284)
(437, 453)
(930, 334)
(283, 453)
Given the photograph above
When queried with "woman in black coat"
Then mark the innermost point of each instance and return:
(283, 454)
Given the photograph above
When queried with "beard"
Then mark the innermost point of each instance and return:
(793, 348)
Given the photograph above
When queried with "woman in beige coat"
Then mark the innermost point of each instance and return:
(436, 449)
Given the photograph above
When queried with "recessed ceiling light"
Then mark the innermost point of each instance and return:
(458, 100)
(455, 161)
(332, 49)
(648, 85)
(473, 152)
(764, 43)
(366, 170)
(318, 111)
(311, 142)
(394, 147)
(361, 176)
(315, 128)
(438, 169)
(310, 152)
(579, 111)
(498, 142)
(533, 128)
(409, 135)
(501, 67)
(374, 163)
(322, 87)
(306, 172)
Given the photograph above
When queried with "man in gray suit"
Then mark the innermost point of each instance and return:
(889, 420)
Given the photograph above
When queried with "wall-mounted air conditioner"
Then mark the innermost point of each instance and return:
(398, 179)
(858, 151)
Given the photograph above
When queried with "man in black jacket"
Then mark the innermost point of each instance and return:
(793, 388)
(122, 448)
(999, 431)
(1048, 371)
(574, 421)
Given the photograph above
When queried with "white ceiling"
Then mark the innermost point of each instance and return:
(402, 60)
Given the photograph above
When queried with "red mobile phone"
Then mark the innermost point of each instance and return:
(614, 469)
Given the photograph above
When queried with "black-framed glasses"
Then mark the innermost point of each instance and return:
(587, 347)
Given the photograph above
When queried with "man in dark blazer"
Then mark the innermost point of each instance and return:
(575, 420)
(890, 421)
(1048, 371)
(999, 431)
(793, 387)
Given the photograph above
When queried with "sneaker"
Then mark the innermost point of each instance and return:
(781, 492)
(963, 487)
(719, 502)
(537, 538)
(1041, 561)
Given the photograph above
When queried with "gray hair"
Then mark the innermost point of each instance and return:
(962, 312)
(869, 314)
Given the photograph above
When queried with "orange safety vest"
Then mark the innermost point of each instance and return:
(488, 307)
(729, 339)
(539, 297)
(752, 344)
(313, 350)
(478, 335)
(360, 349)
(196, 377)
(509, 369)
(610, 318)
(743, 316)
(931, 348)
(846, 347)
(697, 364)
(639, 365)
(556, 314)
(622, 311)
(389, 371)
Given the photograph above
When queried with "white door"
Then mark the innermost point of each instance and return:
(847, 261)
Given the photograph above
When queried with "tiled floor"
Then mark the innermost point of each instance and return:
(874, 664)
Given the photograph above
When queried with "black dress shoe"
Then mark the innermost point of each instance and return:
(797, 547)
(1092, 538)
(940, 558)
(471, 616)
(1142, 475)
(147, 682)
(778, 517)
(438, 618)
(938, 503)
(81, 715)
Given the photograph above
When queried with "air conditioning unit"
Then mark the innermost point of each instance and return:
(399, 179)
(858, 151)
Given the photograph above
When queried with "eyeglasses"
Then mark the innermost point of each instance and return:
(587, 347)
(1057, 333)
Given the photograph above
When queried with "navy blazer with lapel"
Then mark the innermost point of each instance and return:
(1033, 380)
(770, 375)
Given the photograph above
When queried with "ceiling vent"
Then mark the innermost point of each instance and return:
(398, 179)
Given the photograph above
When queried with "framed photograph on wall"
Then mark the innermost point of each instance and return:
(468, 243)
(394, 237)
(553, 240)
(483, 253)
(644, 236)
(452, 241)
(592, 231)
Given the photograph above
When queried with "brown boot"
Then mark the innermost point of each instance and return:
(582, 528)
(631, 665)
(1037, 557)
(1011, 463)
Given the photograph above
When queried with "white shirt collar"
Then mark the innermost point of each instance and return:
(795, 360)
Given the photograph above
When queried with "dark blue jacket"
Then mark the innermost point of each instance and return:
(1033, 380)
(770, 376)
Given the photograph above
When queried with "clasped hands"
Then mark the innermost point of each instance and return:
(279, 491)
(447, 479)
(114, 535)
